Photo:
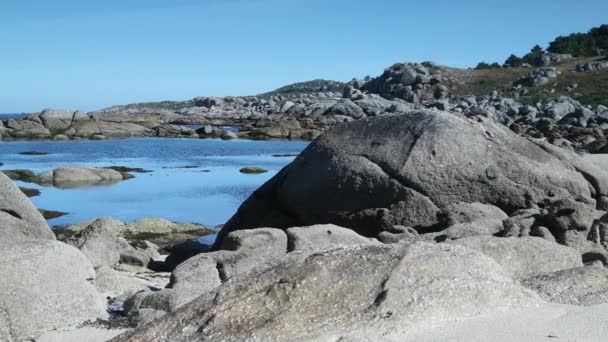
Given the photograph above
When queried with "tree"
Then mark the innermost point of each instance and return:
(513, 62)
(534, 55)
(576, 44)
(484, 65)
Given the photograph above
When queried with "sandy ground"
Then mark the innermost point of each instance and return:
(549, 322)
(83, 334)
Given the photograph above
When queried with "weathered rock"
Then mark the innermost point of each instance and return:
(362, 291)
(403, 170)
(242, 252)
(524, 257)
(45, 285)
(115, 283)
(19, 219)
(99, 241)
(77, 176)
(577, 286)
(162, 232)
(570, 222)
(323, 237)
(398, 234)
(252, 170)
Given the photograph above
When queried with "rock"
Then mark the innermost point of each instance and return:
(113, 283)
(252, 170)
(521, 223)
(77, 176)
(99, 241)
(524, 257)
(322, 237)
(240, 253)
(397, 234)
(359, 291)
(29, 192)
(61, 137)
(45, 285)
(51, 214)
(538, 77)
(251, 248)
(576, 286)
(180, 252)
(570, 221)
(226, 135)
(161, 231)
(403, 170)
(33, 153)
(19, 219)
(462, 212)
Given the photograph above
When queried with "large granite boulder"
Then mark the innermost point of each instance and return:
(370, 175)
(19, 219)
(347, 292)
(45, 285)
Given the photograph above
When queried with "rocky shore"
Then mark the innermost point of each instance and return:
(303, 111)
(432, 219)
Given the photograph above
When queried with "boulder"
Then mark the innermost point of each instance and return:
(524, 257)
(77, 176)
(322, 237)
(115, 283)
(99, 241)
(161, 231)
(576, 286)
(360, 291)
(45, 285)
(398, 234)
(403, 170)
(19, 219)
(242, 252)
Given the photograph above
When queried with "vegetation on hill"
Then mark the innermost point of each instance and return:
(576, 44)
(314, 86)
(590, 86)
(581, 44)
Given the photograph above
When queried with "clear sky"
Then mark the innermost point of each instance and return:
(96, 53)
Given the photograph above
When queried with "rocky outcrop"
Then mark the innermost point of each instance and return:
(19, 219)
(241, 252)
(328, 295)
(154, 230)
(524, 257)
(538, 77)
(100, 242)
(78, 176)
(590, 67)
(404, 169)
(575, 286)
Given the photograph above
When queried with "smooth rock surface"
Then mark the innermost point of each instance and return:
(374, 290)
(524, 257)
(45, 285)
(19, 219)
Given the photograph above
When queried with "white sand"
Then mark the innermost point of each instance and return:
(83, 334)
(549, 322)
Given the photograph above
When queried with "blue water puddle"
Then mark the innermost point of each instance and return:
(208, 194)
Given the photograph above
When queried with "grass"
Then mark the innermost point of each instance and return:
(592, 86)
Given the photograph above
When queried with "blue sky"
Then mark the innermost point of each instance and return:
(93, 54)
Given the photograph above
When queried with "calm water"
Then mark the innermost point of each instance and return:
(4, 116)
(170, 191)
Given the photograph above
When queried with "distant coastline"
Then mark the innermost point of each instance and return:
(4, 116)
